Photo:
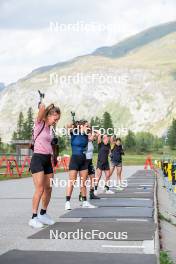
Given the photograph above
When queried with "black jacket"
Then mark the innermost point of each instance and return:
(116, 153)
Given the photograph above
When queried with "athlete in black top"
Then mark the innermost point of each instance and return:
(116, 160)
(103, 153)
(103, 162)
(116, 155)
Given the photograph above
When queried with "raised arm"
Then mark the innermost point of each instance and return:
(122, 151)
(95, 134)
(69, 127)
(41, 112)
(99, 138)
(112, 140)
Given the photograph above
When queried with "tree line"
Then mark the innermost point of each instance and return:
(140, 142)
(171, 135)
(24, 126)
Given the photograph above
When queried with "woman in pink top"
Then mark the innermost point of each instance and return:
(41, 165)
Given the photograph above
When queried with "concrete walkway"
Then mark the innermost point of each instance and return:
(15, 199)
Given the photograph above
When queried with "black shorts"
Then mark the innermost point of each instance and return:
(78, 163)
(90, 165)
(103, 165)
(41, 162)
(116, 163)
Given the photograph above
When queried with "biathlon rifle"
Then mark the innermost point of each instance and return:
(73, 118)
(42, 95)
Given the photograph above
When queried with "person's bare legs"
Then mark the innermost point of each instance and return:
(47, 191)
(98, 176)
(119, 175)
(39, 180)
(107, 177)
(97, 179)
(92, 181)
(70, 185)
(71, 182)
(112, 170)
(83, 177)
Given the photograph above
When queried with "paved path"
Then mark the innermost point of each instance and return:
(15, 199)
(167, 208)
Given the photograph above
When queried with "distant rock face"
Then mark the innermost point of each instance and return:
(138, 89)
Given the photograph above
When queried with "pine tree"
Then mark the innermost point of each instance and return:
(107, 121)
(130, 141)
(172, 135)
(28, 124)
(14, 136)
(24, 126)
(92, 122)
(25, 134)
(1, 144)
(20, 126)
(96, 122)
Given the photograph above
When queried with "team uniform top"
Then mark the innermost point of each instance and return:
(103, 152)
(79, 144)
(116, 153)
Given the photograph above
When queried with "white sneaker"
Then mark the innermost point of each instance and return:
(86, 204)
(35, 223)
(67, 206)
(119, 188)
(45, 219)
(95, 192)
(109, 192)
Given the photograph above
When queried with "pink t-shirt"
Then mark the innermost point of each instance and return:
(43, 142)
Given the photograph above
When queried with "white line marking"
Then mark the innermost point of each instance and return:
(140, 199)
(146, 185)
(113, 246)
(142, 192)
(132, 220)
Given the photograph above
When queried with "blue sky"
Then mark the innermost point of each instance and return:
(27, 41)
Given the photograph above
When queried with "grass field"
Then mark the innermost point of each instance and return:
(130, 159)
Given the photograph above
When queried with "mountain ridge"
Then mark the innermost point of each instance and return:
(146, 100)
(123, 47)
(168, 28)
